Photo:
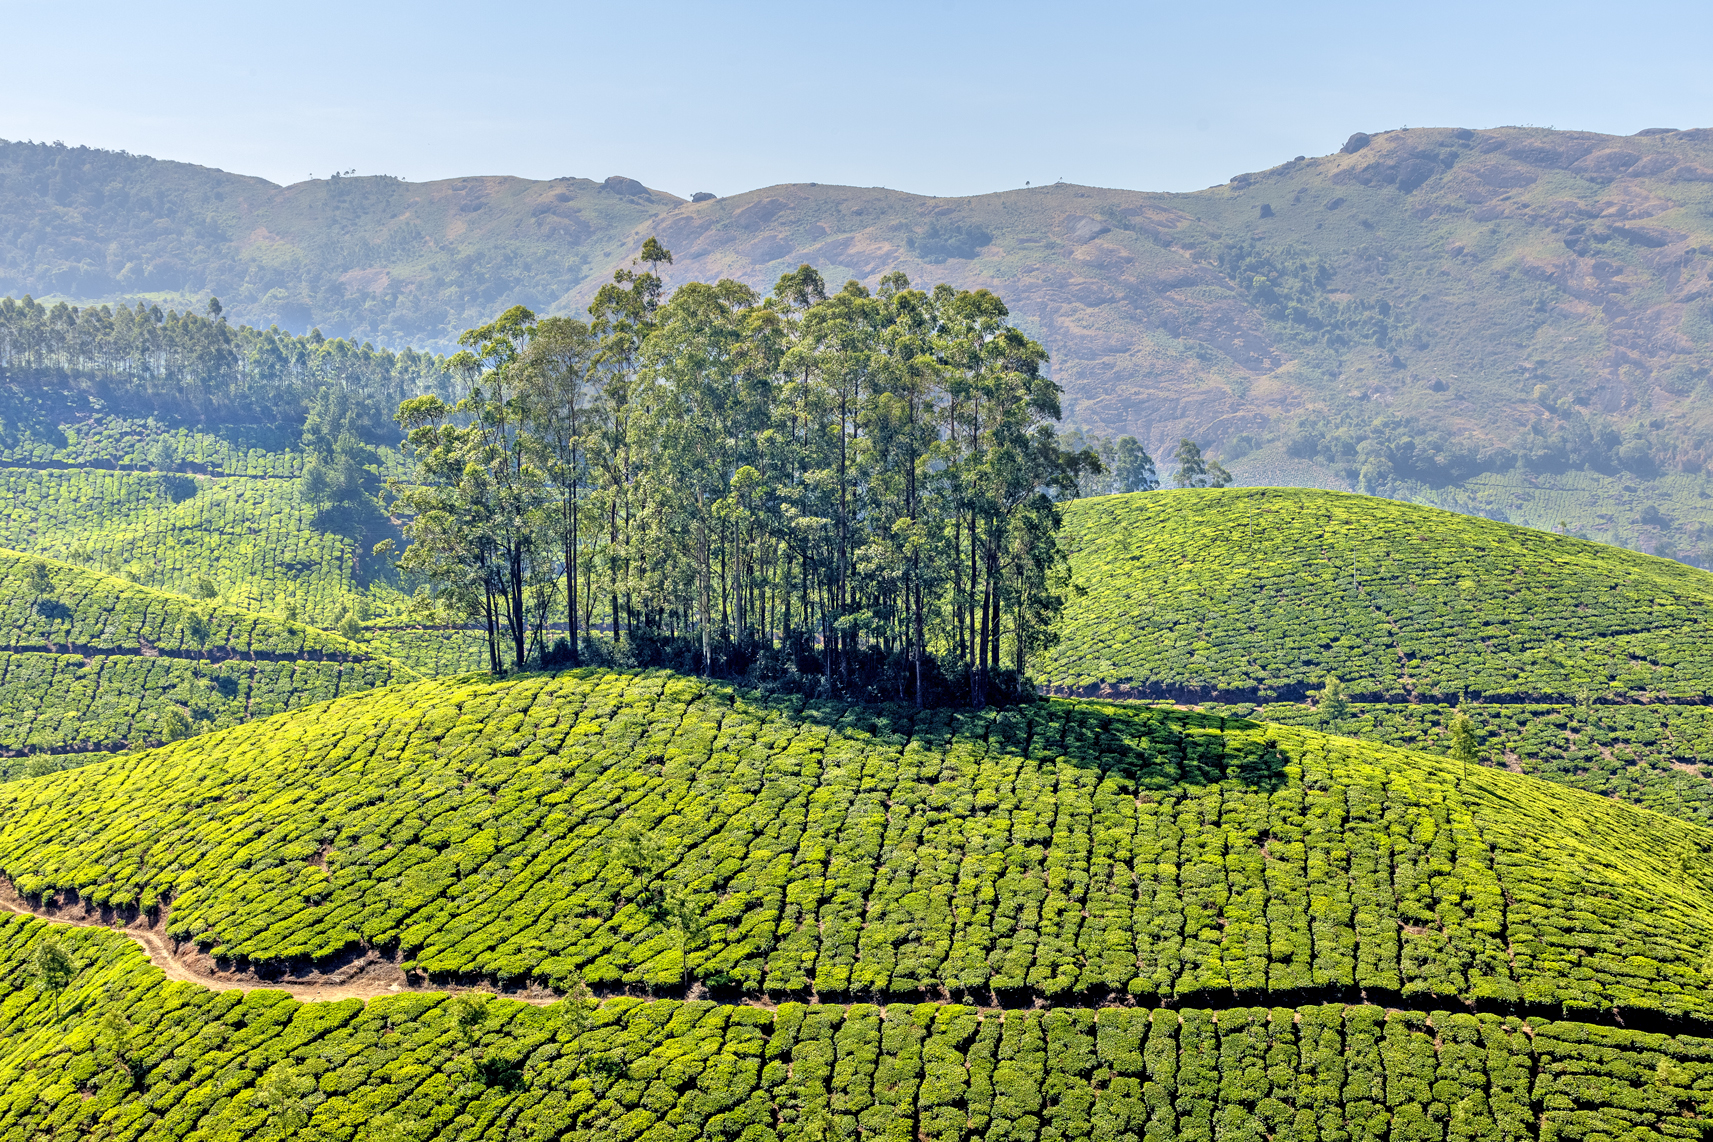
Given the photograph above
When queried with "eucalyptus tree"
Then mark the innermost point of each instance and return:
(559, 388)
(476, 505)
(853, 483)
(623, 316)
(500, 444)
(692, 421)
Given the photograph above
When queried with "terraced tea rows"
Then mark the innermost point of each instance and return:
(644, 830)
(1582, 663)
(95, 662)
(252, 538)
(119, 1053)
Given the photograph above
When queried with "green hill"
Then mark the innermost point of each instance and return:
(552, 826)
(1062, 920)
(1581, 662)
(1513, 321)
(93, 662)
(122, 1053)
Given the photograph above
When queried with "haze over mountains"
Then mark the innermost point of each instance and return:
(1448, 314)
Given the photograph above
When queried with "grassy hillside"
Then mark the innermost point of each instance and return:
(93, 662)
(120, 1053)
(1581, 662)
(640, 831)
(1419, 310)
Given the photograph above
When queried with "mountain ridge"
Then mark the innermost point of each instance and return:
(1439, 314)
(857, 230)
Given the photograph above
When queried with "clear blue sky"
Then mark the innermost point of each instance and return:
(930, 97)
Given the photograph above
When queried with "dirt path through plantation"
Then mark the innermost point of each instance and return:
(369, 978)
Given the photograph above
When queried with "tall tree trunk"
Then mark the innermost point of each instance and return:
(494, 666)
(707, 570)
(571, 581)
(919, 642)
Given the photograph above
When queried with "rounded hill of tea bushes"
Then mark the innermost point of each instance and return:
(1583, 663)
(801, 920)
(654, 831)
(92, 661)
(1266, 591)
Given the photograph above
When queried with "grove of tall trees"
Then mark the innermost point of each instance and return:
(849, 492)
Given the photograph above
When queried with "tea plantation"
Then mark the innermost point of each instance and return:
(250, 537)
(645, 830)
(1057, 921)
(120, 1053)
(93, 662)
(1579, 662)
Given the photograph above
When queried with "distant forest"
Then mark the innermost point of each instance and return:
(199, 364)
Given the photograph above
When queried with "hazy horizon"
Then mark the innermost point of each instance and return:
(943, 101)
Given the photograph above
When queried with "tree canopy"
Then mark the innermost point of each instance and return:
(853, 489)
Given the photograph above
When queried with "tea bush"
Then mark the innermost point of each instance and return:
(646, 830)
(1582, 663)
(91, 661)
(120, 1053)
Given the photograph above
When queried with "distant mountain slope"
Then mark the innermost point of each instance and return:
(93, 662)
(1429, 272)
(377, 257)
(1581, 662)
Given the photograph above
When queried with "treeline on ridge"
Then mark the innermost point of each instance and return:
(198, 364)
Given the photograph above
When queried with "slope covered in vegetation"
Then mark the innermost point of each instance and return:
(1579, 661)
(648, 830)
(93, 662)
(1418, 309)
(116, 1052)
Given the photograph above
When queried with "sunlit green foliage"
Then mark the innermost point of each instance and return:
(121, 1053)
(1579, 662)
(91, 661)
(1268, 589)
(253, 538)
(1060, 848)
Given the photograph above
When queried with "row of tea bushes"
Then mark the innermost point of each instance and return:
(59, 702)
(1654, 755)
(1262, 590)
(253, 539)
(113, 1051)
(91, 613)
(430, 652)
(647, 829)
